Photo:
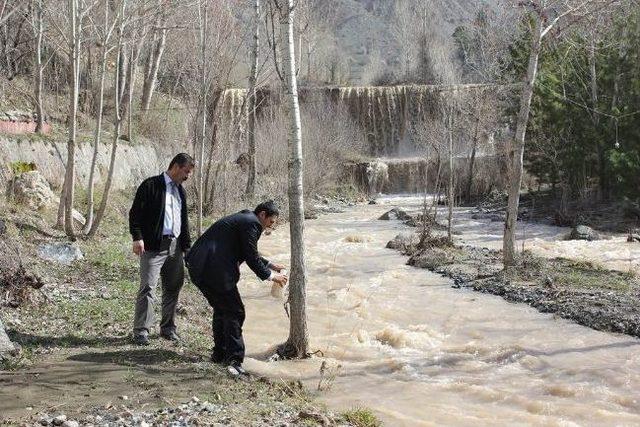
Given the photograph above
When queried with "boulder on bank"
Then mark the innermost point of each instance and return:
(582, 232)
(6, 346)
(64, 253)
(32, 190)
(418, 220)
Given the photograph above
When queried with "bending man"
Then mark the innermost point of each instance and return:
(214, 267)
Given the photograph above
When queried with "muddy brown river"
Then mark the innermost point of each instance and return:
(401, 341)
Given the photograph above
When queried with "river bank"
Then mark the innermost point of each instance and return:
(582, 290)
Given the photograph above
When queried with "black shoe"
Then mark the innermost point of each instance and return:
(141, 339)
(171, 336)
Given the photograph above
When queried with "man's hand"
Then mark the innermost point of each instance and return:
(277, 267)
(280, 279)
(138, 247)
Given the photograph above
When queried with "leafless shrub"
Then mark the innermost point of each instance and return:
(329, 138)
(16, 284)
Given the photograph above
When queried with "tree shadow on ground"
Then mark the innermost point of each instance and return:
(131, 357)
(27, 340)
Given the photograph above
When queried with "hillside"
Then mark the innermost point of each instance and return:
(366, 30)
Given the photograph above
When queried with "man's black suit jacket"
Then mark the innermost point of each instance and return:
(146, 216)
(215, 258)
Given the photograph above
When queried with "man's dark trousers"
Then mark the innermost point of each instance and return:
(228, 318)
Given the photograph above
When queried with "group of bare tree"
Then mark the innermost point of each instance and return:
(546, 18)
(484, 48)
(111, 56)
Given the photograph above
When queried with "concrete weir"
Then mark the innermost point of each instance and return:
(393, 119)
(417, 175)
(386, 114)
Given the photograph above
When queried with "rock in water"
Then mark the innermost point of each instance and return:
(582, 232)
(403, 241)
(394, 213)
(310, 214)
(64, 253)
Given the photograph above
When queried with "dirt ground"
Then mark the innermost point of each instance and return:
(123, 379)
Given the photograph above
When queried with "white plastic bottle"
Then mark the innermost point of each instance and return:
(277, 291)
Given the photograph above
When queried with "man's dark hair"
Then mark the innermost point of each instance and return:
(182, 159)
(269, 207)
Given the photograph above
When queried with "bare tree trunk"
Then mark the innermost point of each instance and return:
(436, 197)
(472, 159)
(117, 123)
(74, 51)
(98, 132)
(450, 194)
(516, 154)
(602, 162)
(128, 78)
(96, 143)
(203, 112)
(156, 56)
(298, 342)
(252, 103)
(132, 81)
(60, 214)
(123, 63)
(39, 28)
(208, 189)
(308, 61)
(299, 55)
(425, 233)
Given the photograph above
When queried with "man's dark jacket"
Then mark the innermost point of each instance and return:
(215, 258)
(146, 216)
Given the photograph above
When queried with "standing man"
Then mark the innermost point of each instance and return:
(159, 227)
(214, 267)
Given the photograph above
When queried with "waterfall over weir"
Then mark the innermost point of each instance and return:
(419, 175)
(393, 121)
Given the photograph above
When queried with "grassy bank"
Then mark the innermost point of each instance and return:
(584, 292)
(77, 358)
